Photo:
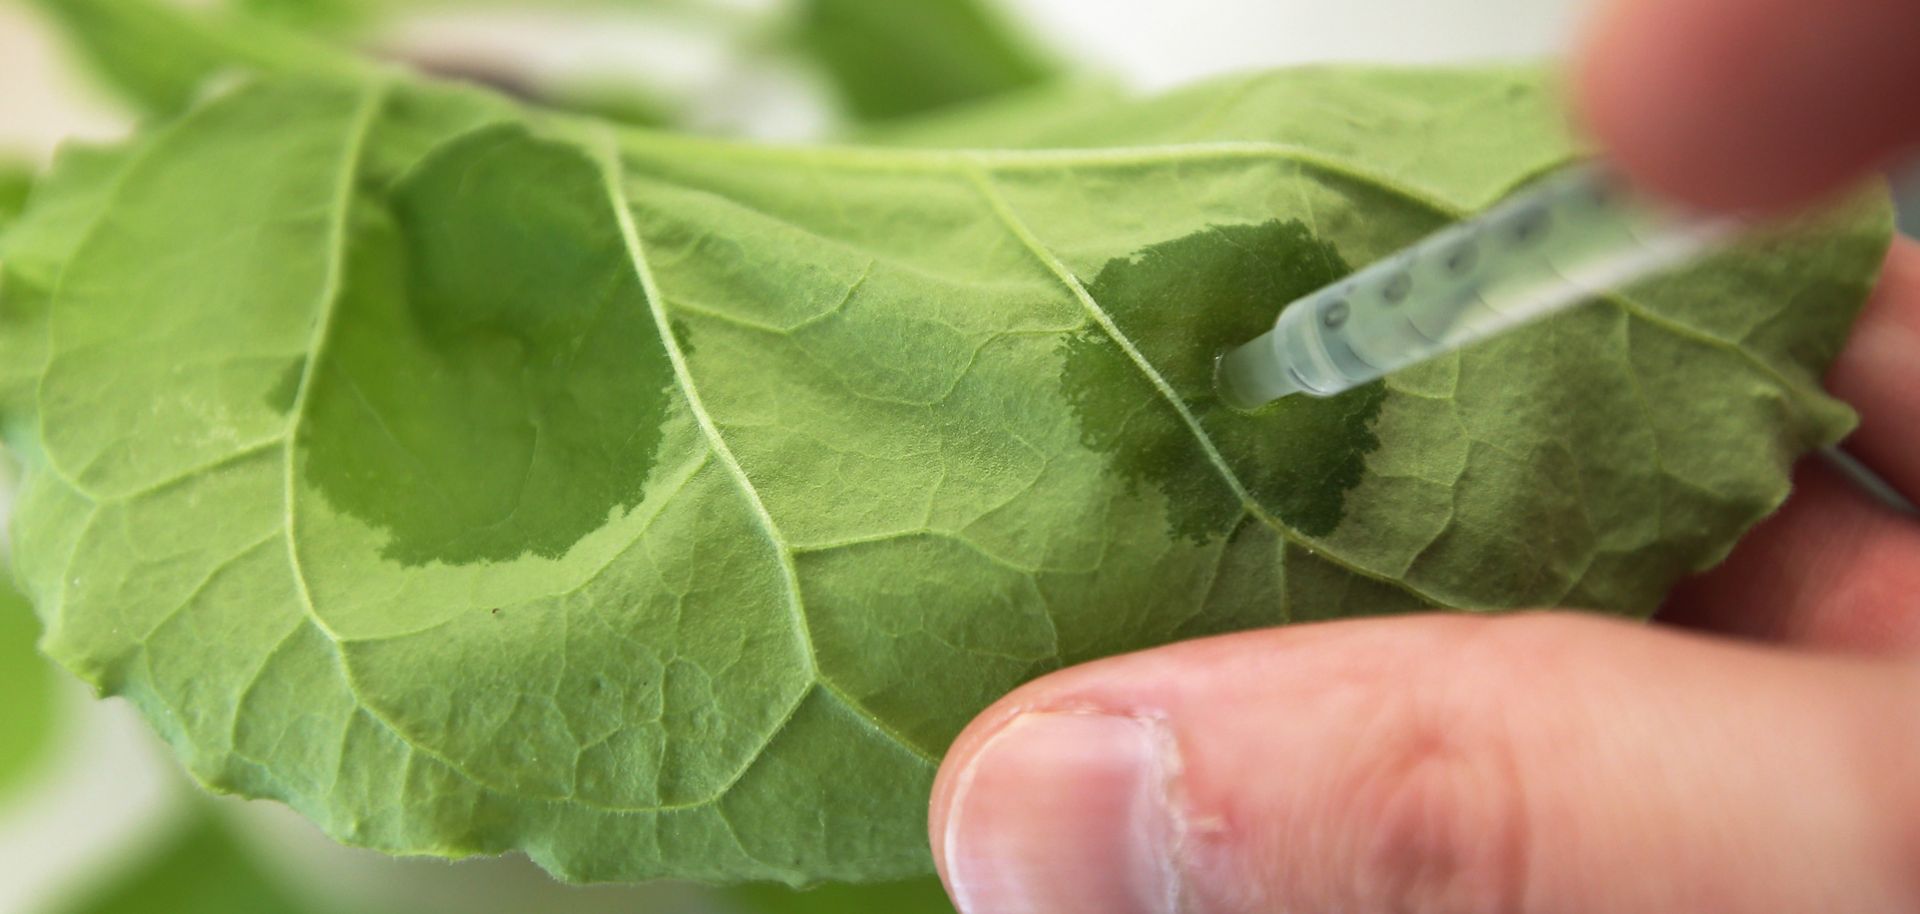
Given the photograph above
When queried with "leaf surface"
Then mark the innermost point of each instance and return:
(663, 506)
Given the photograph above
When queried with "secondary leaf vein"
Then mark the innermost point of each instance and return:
(1100, 316)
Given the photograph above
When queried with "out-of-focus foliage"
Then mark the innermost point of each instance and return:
(883, 59)
(315, 14)
(16, 179)
(159, 60)
(203, 868)
(26, 690)
(918, 896)
(889, 58)
(203, 865)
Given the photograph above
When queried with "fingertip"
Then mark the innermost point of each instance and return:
(1429, 763)
(1879, 371)
(1077, 792)
(957, 765)
(1753, 105)
(1061, 812)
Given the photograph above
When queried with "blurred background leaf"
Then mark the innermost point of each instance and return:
(159, 58)
(920, 896)
(203, 868)
(894, 58)
(206, 864)
(26, 681)
(881, 59)
(16, 179)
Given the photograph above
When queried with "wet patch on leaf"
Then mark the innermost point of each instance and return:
(496, 385)
(1180, 303)
(281, 397)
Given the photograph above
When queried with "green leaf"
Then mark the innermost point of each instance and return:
(27, 727)
(664, 506)
(316, 15)
(889, 59)
(202, 868)
(918, 896)
(16, 180)
(33, 250)
(1002, 120)
(161, 58)
(884, 59)
(204, 865)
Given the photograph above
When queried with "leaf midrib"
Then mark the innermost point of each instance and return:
(962, 161)
(606, 158)
(1250, 505)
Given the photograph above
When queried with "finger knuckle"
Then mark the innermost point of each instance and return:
(1436, 806)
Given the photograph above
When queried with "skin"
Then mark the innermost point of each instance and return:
(1757, 752)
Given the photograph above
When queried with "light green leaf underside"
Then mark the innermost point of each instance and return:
(662, 507)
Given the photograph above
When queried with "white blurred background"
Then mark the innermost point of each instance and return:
(109, 788)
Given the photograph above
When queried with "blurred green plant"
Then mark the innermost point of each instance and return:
(889, 59)
(26, 681)
(203, 867)
(883, 59)
(16, 179)
(918, 896)
(159, 59)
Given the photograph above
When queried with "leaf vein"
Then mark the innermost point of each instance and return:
(611, 169)
(1100, 316)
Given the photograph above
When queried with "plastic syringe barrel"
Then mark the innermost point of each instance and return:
(1566, 239)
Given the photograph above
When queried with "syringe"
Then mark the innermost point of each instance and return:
(1568, 238)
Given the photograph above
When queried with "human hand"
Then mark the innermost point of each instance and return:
(1752, 104)
(1759, 753)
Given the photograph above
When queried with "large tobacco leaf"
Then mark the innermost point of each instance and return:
(660, 506)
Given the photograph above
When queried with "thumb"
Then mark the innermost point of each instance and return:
(1753, 103)
(1545, 763)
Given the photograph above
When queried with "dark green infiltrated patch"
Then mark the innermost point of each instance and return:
(1181, 303)
(464, 404)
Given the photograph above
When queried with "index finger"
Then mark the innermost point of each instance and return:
(1752, 104)
(1879, 373)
